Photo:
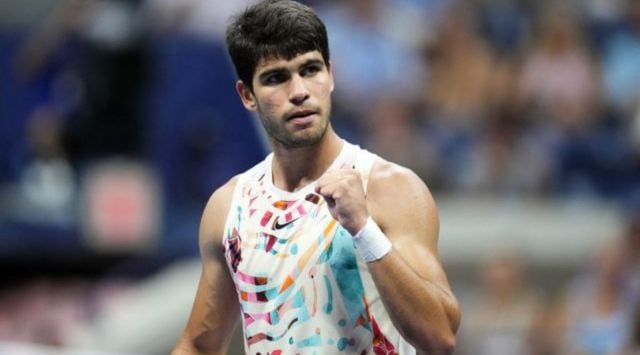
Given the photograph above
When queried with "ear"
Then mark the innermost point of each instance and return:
(248, 100)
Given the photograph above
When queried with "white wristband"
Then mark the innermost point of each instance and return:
(371, 242)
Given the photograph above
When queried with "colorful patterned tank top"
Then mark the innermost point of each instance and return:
(302, 287)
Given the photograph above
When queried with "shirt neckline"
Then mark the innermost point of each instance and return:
(281, 194)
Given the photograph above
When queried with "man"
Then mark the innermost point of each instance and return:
(322, 247)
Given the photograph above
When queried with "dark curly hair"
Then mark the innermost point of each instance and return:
(274, 29)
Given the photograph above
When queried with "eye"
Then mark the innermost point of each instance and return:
(310, 70)
(274, 79)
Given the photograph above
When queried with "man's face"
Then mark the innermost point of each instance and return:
(292, 98)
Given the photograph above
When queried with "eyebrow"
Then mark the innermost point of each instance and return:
(266, 73)
(282, 69)
(311, 62)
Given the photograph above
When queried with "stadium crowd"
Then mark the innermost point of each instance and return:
(513, 99)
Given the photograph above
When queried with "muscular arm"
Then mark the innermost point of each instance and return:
(215, 309)
(410, 279)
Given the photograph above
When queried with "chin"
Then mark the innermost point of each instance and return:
(307, 140)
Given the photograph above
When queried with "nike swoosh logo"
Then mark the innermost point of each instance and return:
(277, 226)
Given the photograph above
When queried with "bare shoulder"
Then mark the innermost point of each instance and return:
(215, 213)
(398, 198)
(384, 172)
(390, 181)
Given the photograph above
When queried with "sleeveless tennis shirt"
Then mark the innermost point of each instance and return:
(302, 286)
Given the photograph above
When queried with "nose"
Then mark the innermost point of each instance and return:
(298, 90)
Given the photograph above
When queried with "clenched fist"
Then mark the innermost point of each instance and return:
(344, 193)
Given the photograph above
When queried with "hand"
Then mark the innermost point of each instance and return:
(343, 191)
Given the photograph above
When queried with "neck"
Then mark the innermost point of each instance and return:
(294, 168)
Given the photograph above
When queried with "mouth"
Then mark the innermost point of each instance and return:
(302, 116)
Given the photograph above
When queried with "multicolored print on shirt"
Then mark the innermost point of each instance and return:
(302, 287)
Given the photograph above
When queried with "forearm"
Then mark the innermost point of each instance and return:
(185, 346)
(426, 314)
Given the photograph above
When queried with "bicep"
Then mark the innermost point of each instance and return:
(216, 309)
(407, 213)
(421, 257)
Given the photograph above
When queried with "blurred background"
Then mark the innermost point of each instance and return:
(118, 119)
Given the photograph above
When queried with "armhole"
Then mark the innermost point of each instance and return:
(364, 163)
(232, 209)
